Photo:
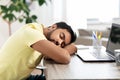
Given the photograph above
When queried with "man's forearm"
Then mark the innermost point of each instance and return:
(71, 48)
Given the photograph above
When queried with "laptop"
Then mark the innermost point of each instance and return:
(87, 54)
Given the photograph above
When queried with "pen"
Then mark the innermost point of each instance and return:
(100, 35)
(94, 35)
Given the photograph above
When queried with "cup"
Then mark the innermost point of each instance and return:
(117, 56)
(97, 42)
(97, 45)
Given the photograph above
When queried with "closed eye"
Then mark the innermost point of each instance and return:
(63, 45)
(62, 36)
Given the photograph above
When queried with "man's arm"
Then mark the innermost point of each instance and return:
(52, 51)
(72, 49)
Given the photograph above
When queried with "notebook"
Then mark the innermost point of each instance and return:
(87, 54)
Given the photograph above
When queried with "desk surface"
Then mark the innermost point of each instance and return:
(77, 69)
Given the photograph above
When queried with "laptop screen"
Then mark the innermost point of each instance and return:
(114, 39)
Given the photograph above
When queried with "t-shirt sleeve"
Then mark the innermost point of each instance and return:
(33, 32)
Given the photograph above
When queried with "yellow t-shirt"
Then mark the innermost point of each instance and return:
(17, 58)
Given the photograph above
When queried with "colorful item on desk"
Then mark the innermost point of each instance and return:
(99, 36)
(96, 35)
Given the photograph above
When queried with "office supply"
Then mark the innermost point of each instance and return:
(94, 35)
(100, 35)
(106, 54)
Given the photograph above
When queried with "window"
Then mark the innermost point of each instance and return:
(78, 11)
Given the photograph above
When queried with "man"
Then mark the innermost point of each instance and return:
(24, 50)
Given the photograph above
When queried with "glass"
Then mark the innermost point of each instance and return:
(97, 43)
(117, 56)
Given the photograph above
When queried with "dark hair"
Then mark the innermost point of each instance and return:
(63, 25)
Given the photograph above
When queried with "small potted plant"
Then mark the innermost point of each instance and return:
(18, 10)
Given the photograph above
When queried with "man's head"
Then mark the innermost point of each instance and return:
(61, 34)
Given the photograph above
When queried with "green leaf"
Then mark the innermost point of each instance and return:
(25, 8)
(21, 20)
(41, 2)
(10, 17)
(24, 1)
(14, 1)
(28, 20)
(34, 17)
(4, 9)
(12, 7)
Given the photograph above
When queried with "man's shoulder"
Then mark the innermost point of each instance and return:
(34, 26)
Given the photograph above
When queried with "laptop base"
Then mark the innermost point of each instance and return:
(88, 55)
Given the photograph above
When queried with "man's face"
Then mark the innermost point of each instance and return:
(60, 37)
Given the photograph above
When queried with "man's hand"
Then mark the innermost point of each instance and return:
(72, 49)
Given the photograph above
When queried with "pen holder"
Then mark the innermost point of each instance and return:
(97, 45)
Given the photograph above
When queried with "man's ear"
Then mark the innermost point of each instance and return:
(53, 27)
